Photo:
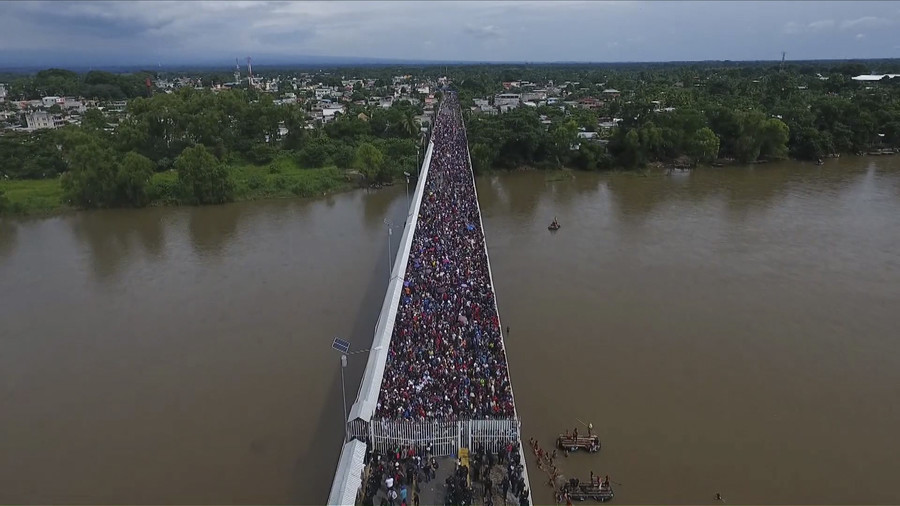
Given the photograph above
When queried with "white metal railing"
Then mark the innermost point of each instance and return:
(445, 437)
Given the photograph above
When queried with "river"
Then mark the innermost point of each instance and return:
(726, 330)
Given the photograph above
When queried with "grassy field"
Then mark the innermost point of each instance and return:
(281, 178)
(33, 196)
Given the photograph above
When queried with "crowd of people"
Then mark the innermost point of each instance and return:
(396, 477)
(446, 358)
(398, 474)
(510, 479)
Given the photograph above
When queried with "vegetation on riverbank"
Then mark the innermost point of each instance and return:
(200, 147)
(282, 178)
(630, 115)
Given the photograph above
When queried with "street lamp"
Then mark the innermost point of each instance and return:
(342, 346)
(407, 192)
(390, 225)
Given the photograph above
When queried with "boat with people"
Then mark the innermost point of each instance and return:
(555, 225)
(573, 442)
(596, 490)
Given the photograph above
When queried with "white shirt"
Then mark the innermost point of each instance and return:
(389, 482)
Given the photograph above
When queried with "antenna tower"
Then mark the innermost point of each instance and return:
(782, 60)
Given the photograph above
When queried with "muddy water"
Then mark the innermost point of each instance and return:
(727, 331)
(730, 331)
(183, 356)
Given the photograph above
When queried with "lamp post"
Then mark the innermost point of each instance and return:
(344, 393)
(390, 225)
(407, 192)
(342, 346)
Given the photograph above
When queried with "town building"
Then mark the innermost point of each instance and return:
(507, 99)
(38, 120)
(874, 77)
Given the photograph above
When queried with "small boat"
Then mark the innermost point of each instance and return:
(572, 443)
(598, 491)
(553, 226)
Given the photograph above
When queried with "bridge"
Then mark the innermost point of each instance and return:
(436, 383)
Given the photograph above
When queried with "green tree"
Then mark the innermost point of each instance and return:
(774, 136)
(93, 119)
(810, 144)
(563, 137)
(704, 145)
(408, 124)
(132, 180)
(482, 158)
(202, 177)
(370, 162)
(91, 180)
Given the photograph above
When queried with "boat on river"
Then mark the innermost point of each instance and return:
(599, 491)
(554, 225)
(573, 443)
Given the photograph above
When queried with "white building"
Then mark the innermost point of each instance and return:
(2, 92)
(507, 99)
(874, 77)
(51, 101)
(41, 119)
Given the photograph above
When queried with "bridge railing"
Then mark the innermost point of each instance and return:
(446, 437)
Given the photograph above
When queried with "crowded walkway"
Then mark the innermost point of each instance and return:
(446, 358)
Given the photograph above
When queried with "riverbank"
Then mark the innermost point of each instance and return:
(282, 178)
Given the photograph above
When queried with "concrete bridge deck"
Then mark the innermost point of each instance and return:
(448, 438)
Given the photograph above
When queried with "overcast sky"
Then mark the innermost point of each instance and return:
(106, 32)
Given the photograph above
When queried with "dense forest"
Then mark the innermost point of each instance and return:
(60, 82)
(668, 113)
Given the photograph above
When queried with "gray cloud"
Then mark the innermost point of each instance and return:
(822, 24)
(174, 32)
(483, 32)
(865, 22)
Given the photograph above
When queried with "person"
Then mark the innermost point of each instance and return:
(392, 496)
(389, 482)
(592, 477)
(590, 429)
(403, 493)
(575, 434)
(416, 499)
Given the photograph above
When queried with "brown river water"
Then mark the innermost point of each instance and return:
(728, 330)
